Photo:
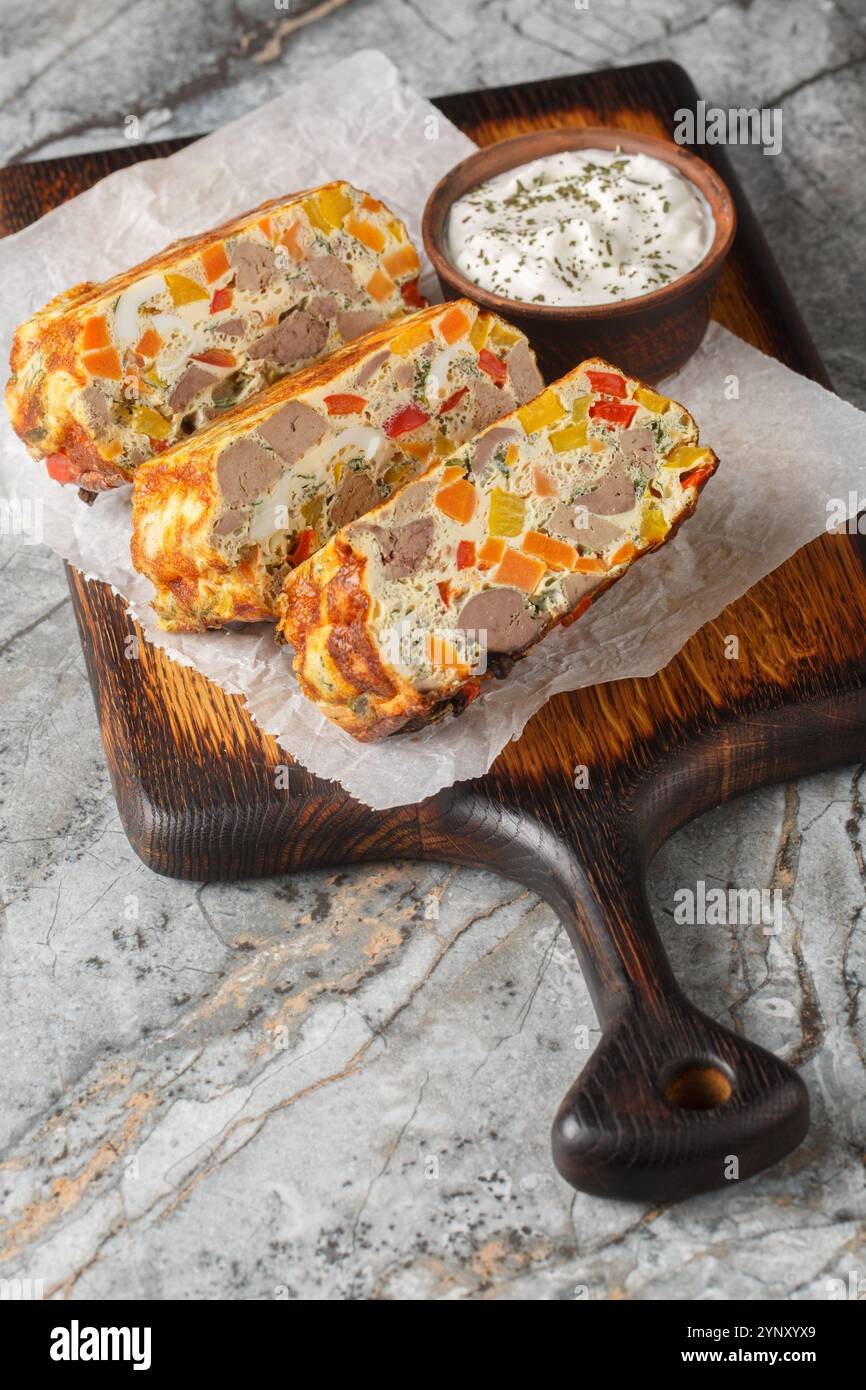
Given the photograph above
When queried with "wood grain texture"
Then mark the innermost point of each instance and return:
(195, 780)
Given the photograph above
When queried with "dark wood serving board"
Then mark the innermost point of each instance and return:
(669, 1097)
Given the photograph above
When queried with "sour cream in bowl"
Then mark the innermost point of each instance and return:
(593, 241)
(580, 227)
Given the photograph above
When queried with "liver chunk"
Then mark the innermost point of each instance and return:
(403, 547)
(293, 430)
(356, 495)
(194, 380)
(254, 265)
(245, 470)
(299, 337)
(526, 379)
(503, 617)
(332, 274)
(353, 322)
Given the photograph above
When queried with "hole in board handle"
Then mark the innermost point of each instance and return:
(698, 1086)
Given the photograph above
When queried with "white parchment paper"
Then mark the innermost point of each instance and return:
(787, 447)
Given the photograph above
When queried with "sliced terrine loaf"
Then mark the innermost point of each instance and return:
(218, 520)
(108, 375)
(404, 612)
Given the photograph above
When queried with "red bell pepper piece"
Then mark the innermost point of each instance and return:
(465, 554)
(444, 588)
(607, 383)
(344, 404)
(412, 297)
(696, 477)
(493, 366)
(222, 299)
(453, 400)
(303, 547)
(61, 468)
(407, 418)
(215, 357)
(613, 412)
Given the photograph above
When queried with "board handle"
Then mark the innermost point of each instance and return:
(672, 1103)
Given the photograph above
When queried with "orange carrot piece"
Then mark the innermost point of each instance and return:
(370, 204)
(291, 239)
(105, 362)
(342, 403)
(215, 262)
(458, 501)
(454, 324)
(95, 334)
(418, 449)
(366, 232)
(557, 555)
(625, 552)
(491, 551)
(589, 564)
(403, 261)
(441, 652)
(520, 571)
(450, 473)
(149, 343)
(380, 286)
(265, 225)
(544, 486)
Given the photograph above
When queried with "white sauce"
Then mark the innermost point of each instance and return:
(581, 227)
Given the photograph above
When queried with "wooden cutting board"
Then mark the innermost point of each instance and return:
(670, 1103)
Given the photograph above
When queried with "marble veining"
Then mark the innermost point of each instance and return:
(340, 1085)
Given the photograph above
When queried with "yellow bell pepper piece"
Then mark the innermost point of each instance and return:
(501, 335)
(411, 337)
(572, 437)
(580, 408)
(546, 409)
(685, 456)
(654, 526)
(652, 400)
(334, 205)
(311, 208)
(443, 446)
(507, 513)
(480, 330)
(183, 290)
(151, 423)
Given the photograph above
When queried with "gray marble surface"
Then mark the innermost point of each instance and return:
(340, 1085)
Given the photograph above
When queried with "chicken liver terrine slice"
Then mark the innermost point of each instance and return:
(108, 375)
(404, 613)
(218, 521)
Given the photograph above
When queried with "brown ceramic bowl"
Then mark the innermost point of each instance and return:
(649, 336)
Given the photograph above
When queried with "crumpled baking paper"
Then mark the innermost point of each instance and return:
(787, 447)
